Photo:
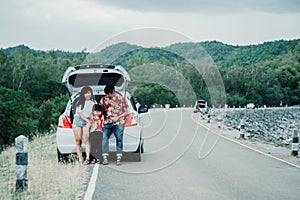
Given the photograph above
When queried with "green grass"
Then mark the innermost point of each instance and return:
(47, 179)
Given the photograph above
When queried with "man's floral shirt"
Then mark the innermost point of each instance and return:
(114, 107)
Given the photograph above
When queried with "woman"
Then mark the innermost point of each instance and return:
(83, 106)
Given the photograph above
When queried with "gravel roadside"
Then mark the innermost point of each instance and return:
(258, 143)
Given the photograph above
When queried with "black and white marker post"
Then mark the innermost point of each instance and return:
(295, 143)
(219, 120)
(21, 163)
(242, 129)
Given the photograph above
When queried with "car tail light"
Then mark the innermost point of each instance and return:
(131, 119)
(64, 122)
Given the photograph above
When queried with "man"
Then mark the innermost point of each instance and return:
(116, 110)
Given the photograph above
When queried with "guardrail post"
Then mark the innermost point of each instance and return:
(295, 143)
(242, 129)
(167, 106)
(219, 120)
(21, 143)
(153, 106)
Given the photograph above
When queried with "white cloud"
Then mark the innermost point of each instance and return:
(78, 24)
(207, 6)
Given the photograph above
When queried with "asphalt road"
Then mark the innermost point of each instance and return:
(183, 160)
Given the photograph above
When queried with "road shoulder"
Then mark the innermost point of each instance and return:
(278, 152)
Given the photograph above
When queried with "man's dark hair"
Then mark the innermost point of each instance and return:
(109, 89)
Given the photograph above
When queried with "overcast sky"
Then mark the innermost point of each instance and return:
(74, 25)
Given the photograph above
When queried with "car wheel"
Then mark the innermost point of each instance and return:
(140, 149)
(136, 156)
(64, 158)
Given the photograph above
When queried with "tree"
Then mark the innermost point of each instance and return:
(18, 115)
(22, 61)
(50, 111)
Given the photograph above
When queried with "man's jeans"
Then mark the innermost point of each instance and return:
(117, 130)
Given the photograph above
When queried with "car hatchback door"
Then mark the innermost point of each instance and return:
(97, 77)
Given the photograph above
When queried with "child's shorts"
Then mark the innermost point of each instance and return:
(78, 122)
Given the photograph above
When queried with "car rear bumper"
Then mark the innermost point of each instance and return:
(66, 142)
(131, 140)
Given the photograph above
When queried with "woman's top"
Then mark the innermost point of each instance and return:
(87, 109)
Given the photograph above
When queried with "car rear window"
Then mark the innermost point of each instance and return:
(80, 80)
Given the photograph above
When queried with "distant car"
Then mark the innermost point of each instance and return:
(250, 106)
(97, 77)
(201, 106)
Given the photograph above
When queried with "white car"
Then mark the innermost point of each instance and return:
(201, 106)
(250, 106)
(97, 77)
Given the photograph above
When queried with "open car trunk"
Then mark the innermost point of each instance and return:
(97, 77)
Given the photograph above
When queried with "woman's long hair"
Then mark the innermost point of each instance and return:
(80, 100)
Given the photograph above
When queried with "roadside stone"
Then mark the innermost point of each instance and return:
(269, 129)
(274, 123)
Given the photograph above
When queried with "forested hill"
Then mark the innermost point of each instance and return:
(55, 54)
(224, 54)
(32, 97)
(265, 74)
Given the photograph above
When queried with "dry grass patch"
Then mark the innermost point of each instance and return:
(47, 179)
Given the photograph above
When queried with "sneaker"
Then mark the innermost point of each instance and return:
(105, 160)
(118, 161)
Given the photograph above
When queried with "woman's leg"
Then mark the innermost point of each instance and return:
(78, 138)
(86, 137)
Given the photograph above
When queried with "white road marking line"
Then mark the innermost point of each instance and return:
(92, 184)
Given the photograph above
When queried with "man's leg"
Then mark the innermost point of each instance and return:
(107, 130)
(118, 132)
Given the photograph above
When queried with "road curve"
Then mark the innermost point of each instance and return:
(183, 160)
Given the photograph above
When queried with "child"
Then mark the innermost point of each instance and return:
(99, 114)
